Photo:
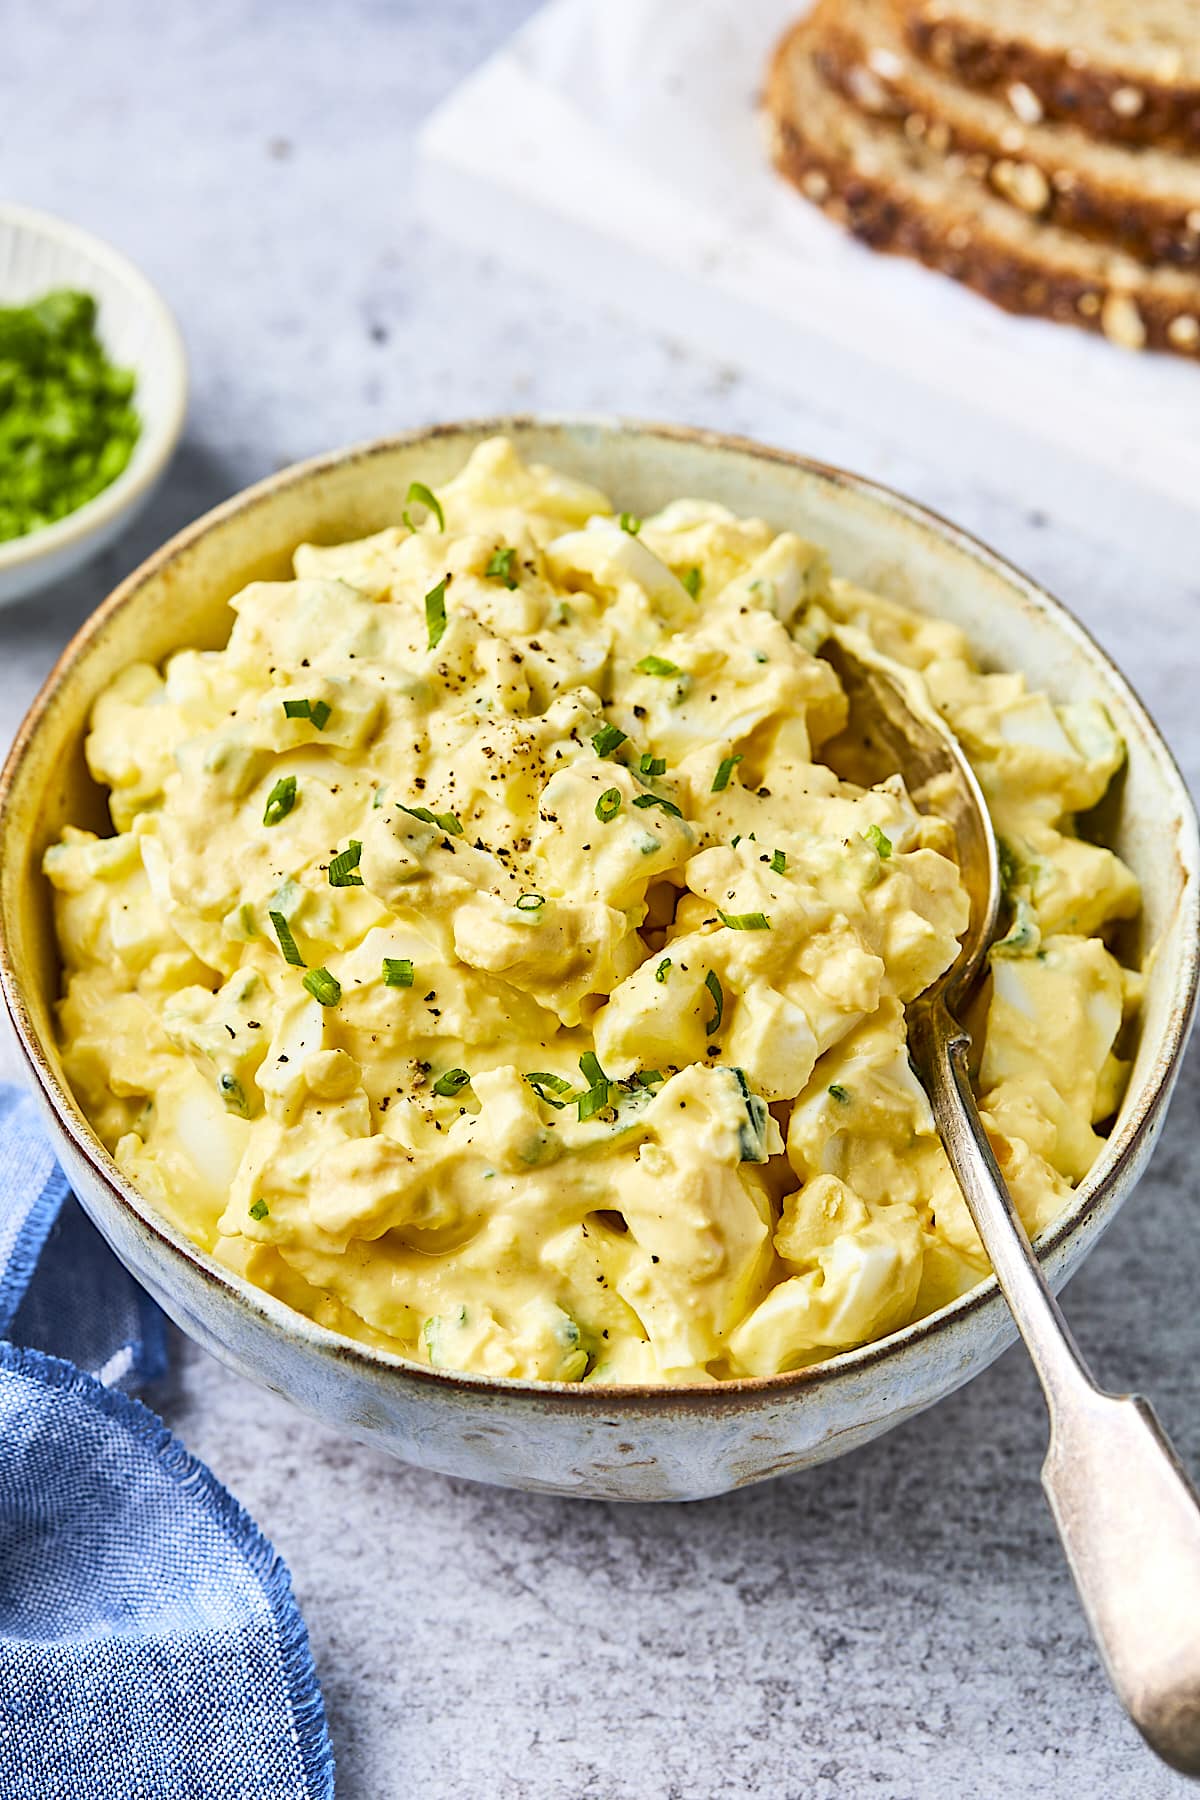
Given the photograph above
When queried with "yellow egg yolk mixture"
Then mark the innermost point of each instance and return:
(486, 963)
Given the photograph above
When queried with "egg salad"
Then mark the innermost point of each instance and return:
(487, 963)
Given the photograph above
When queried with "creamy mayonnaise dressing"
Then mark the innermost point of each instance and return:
(487, 964)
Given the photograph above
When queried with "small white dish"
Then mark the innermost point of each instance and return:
(138, 331)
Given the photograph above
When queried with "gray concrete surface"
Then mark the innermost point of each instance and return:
(897, 1624)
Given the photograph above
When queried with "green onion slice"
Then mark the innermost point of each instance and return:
(778, 862)
(839, 1093)
(343, 870)
(713, 984)
(657, 665)
(879, 840)
(630, 522)
(608, 805)
(660, 974)
(597, 1096)
(323, 986)
(500, 566)
(397, 971)
(448, 821)
(259, 1209)
(287, 942)
(725, 769)
(652, 766)
(530, 902)
(423, 496)
(648, 1077)
(435, 613)
(315, 711)
(280, 800)
(751, 921)
(668, 806)
(541, 1079)
(451, 1083)
(691, 579)
(607, 739)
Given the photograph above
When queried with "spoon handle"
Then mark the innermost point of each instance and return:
(1128, 1517)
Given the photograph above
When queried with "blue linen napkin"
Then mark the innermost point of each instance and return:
(150, 1644)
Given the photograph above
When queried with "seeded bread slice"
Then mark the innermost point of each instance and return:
(1145, 201)
(1125, 70)
(898, 195)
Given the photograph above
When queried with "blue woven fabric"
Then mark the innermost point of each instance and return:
(150, 1643)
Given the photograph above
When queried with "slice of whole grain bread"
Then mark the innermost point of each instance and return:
(897, 194)
(1123, 70)
(1145, 201)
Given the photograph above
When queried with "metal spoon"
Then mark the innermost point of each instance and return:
(1128, 1516)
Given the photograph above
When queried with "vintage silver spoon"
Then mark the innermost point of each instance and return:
(1128, 1516)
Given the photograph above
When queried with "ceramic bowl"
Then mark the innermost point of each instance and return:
(38, 252)
(631, 1443)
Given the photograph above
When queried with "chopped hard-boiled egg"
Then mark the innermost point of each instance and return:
(487, 964)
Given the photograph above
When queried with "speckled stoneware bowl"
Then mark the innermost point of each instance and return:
(630, 1443)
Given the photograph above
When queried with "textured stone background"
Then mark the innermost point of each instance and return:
(898, 1623)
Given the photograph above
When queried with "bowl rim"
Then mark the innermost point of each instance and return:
(274, 1313)
(140, 472)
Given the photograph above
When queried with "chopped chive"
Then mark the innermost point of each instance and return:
(280, 800)
(287, 942)
(657, 665)
(315, 711)
(234, 1095)
(630, 522)
(735, 840)
(448, 821)
(839, 1093)
(259, 1209)
(608, 805)
(417, 491)
(652, 765)
(881, 843)
(500, 566)
(323, 986)
(713, 984)
(725, 769)
(541, 1079)
(668, 806)
(607, 739)
(778, 862)
(530, 902)
(751, 921)
(451, 1083)
(597, 1095)
(647, 1077)
(343, 870)
(435, 613)
(660, 974)
(397, 971)
(691, 579)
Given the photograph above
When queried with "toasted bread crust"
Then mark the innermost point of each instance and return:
(1029, 166)
(874, 201)
(1108, 105)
